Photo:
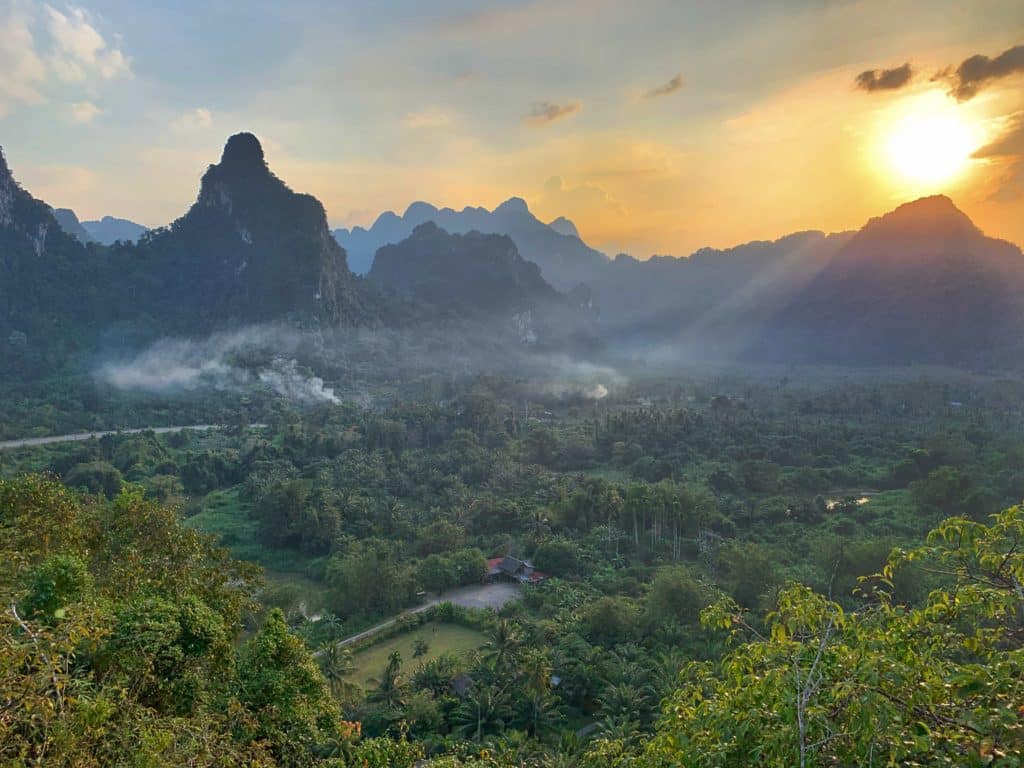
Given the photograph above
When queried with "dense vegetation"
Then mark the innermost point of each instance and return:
(706, 542)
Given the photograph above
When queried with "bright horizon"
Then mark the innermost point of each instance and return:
(709, 128)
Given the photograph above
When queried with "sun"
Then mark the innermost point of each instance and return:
(930, 144)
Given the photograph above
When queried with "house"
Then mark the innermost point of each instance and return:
(509, 568)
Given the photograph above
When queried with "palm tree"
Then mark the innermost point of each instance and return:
(500, 650)
(332, 626)
(536, 676)
(485, 711)
(624, 730)
(336, 664)
(623, 702)
(389, 690)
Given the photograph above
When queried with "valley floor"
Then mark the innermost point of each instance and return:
(495, 595)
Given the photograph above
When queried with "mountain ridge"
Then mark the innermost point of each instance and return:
(564, 259)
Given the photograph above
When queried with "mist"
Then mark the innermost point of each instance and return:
(312, 366)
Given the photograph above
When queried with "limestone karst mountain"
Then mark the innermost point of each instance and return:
(564, 259)
(920, 284)
(110, 229)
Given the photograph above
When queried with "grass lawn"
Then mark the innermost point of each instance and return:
(441, 638)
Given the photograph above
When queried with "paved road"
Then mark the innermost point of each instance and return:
(82, 436)
(493, 596)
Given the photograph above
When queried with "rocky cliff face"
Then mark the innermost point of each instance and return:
(249, 249)
(41, 266)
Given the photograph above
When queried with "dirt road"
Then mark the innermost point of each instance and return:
(493, 596)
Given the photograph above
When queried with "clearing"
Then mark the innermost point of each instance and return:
(440, 638)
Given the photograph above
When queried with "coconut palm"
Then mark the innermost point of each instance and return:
(536, 682)
(389, 689)
(336, 664)
(503, 645)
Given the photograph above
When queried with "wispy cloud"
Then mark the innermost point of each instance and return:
(666, 89)
(1006, 151)
(979, 71)
(79, 50)
(1010, 141)
(872, 80)
(545, 112)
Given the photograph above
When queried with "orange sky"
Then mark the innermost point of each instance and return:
(658, 126)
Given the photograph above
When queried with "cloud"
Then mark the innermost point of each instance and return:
(431, 117)
(23, 69)
(872, 80)
(84, 112)
(545, 112)
(1010, 142)
(79, 51)
(41, 46)
(666, 89)
(1007, 151)
(978, 70)
(192, 120)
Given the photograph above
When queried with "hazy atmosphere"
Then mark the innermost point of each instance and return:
(716, 124)
(479, 384)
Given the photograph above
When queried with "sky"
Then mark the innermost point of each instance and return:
(657, 126)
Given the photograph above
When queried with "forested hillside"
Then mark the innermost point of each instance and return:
(700, 550)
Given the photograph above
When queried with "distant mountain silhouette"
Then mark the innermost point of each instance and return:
(564, 259)
(69, 223)
(918, 285)
(563, 226)
(109, 230)
(105, 231)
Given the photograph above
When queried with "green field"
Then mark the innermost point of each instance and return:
(441, 639)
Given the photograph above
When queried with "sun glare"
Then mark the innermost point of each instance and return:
(929, 145)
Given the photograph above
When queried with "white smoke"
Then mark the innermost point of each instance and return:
(285, 379)
(232, 361)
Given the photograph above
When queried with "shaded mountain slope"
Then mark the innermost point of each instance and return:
(918, 285)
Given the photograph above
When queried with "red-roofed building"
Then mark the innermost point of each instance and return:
(509, 568)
